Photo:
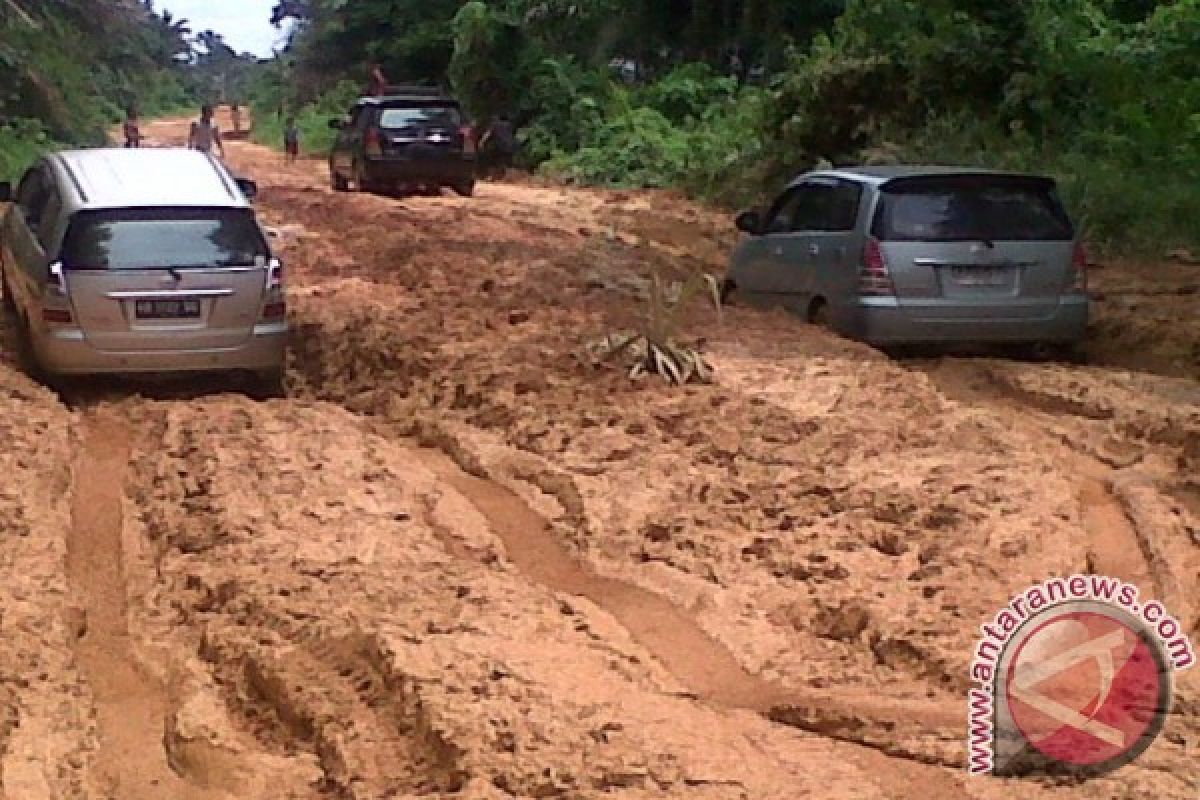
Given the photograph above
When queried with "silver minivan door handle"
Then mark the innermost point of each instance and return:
(778, 250)
(814, 249)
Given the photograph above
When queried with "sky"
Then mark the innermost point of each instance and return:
(245, 24)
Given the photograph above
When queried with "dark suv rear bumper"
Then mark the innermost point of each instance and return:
(446, 171)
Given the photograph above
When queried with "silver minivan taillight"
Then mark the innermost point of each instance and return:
(874, 278)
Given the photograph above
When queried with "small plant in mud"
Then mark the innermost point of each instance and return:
(653, 346)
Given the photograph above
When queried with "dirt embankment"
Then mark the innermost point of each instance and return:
(460, 561)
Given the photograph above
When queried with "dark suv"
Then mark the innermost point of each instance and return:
(409, 139)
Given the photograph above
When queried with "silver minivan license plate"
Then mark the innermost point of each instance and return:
(980, 276)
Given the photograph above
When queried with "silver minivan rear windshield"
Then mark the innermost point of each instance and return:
(958, 208)
(163, 238)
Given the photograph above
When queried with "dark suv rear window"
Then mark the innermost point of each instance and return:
(433, 116)
(177, 238)
(971, 207)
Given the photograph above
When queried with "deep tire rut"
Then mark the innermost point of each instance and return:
(131, 707)
(703, 665)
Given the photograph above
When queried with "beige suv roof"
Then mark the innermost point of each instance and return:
(143, 177)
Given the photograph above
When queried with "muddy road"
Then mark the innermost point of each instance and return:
(460, 561)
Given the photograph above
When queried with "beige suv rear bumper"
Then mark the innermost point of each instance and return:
(65, 351)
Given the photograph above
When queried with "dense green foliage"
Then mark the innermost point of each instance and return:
(70, 68)
(1105, 94)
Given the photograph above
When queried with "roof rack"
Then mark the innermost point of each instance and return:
(413, 90)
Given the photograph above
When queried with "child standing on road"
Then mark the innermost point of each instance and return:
(133, 134)
(291, 140)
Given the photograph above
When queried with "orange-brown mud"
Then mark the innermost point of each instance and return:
(460, 561)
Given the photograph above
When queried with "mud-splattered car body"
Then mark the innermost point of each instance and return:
(401, 141)
(895, 255)
(141, 261)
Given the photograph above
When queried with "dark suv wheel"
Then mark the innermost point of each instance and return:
(339, 183)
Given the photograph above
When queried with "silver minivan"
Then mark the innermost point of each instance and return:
(141, 260)
(908, 255)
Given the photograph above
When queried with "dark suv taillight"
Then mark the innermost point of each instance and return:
(874, 279)
(1077, 281)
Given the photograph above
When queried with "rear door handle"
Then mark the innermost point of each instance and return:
(777, 250)
(167, 294)
(814, 249)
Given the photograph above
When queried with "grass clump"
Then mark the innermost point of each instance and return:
(653, 347)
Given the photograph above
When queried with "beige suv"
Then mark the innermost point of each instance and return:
(141, 261)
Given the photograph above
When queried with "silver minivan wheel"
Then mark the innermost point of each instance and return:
(728, 287)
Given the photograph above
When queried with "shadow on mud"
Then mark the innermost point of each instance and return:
(1028, 353)
(88, 391)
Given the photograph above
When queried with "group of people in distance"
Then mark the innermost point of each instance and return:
(204, 135)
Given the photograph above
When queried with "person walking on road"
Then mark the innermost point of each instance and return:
(204, 135)
(291, 140)
(131, 129)
(500, 144)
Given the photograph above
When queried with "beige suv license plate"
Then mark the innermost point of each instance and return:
(167, 309)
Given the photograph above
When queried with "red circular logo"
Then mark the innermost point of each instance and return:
(1087, 688)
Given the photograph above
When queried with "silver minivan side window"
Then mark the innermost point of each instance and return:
(827, 205)
(782, 213)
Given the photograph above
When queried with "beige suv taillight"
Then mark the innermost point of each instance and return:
(274, 299)
(56, 305)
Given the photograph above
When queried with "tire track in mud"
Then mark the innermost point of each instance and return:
(703, 665)
(296, 687)
(363, 732)
(1115, 547)
(131, 707)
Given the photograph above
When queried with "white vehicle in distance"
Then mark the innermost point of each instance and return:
(141, 261)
